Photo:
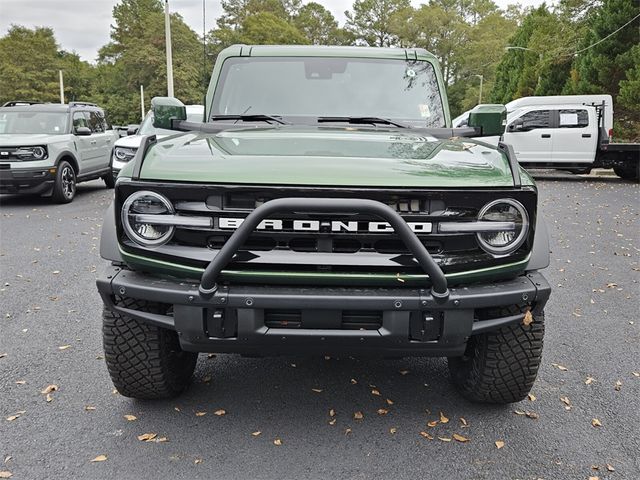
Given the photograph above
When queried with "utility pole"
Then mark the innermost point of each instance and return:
(61, 87)
(481, 77)
(142, 102)
(167, 34)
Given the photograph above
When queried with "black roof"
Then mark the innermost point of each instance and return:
(26, 106)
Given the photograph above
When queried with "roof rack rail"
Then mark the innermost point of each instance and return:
(19, 103)
(82, 104)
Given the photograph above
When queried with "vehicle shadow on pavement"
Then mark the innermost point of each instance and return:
(82, 190)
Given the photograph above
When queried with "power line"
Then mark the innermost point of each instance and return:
(610, 35)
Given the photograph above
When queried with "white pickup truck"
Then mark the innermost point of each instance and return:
(570, 136)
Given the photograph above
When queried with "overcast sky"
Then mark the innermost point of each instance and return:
(83, 25)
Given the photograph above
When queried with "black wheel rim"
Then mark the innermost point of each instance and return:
(68, 180)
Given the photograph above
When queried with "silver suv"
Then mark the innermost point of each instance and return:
(46, 148)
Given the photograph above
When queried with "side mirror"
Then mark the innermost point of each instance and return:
(516, 126)
(165, 110)
(132, 129)
(489, 118)
(82, 131)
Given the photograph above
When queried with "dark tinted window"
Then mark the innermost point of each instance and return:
(536, 119)
(96, 122)
(573, 118)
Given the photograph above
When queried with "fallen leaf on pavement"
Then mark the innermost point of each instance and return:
(130, 418)
(332, 413)
(393, 430)
(375, 392)
(200, 414)
(566, 402)
(404, 372)
(464, 422)
(2, 355)
(16, 415)
(460, 438)
(596, 423)
(147, 437)
(499, 444)
(560, 367)
(353, 381)
(432, 423)
(197, 461)
(332, 421)
(256, 433)
(49, 389)
(358, 415)
(531, 397)
(220, 412)
(443, 418)
(618, 386)
(589, 381)
(89, 408)
(160, 439)
(20, 382)
(444, 439)
(390, 402)
(426, 435)
(277, 442)
(347, 431)
(100, 458)
(382, 411)
(317, 390)
(610, 468)
(636, 374)
(528, 318)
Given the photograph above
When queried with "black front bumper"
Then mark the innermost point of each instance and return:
(236, 318)
(30, 181)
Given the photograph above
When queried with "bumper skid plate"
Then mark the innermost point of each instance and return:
(271, 320)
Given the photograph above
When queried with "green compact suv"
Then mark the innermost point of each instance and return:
(325, 206)
(47, 148)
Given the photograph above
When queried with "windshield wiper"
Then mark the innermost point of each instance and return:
(250, 118)
(363, 120)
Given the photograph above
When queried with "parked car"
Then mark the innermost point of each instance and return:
(46, 148)
(326, 207)
(126, 147)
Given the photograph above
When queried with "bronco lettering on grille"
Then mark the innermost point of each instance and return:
(323, 225)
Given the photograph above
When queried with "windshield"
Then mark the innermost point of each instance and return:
(50, 123)
(401, 90)
(147, 128)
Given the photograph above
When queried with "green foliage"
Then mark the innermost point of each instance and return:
(29, 63)
(371, 21)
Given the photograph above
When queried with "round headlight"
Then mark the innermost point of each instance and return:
(38, 152)
(503, 242)
(137, 224)
(124, 154)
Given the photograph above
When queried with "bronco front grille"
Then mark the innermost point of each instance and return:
(327, 249)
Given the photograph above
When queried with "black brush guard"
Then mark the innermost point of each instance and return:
(208, 283)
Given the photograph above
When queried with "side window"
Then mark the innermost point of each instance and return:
(573, 118)
(96, 123)
(536, 119)
(79, 120)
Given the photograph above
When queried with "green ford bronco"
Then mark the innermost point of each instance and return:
(324, 206)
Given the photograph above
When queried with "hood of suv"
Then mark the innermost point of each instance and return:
(326, 156)
(27, 139)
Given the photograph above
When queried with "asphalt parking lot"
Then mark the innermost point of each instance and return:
(582, 420)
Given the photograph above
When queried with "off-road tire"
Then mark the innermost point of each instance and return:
(628, 172)
(500, 366)
(64, 186)
(108, 180)
(144, 361)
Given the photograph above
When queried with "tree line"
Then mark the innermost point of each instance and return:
(568, 48)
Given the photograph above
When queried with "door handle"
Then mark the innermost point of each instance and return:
(546, 135)
(586, 135)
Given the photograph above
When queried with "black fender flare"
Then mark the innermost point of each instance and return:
(109, 249)
(540, 253)
(67, 153)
